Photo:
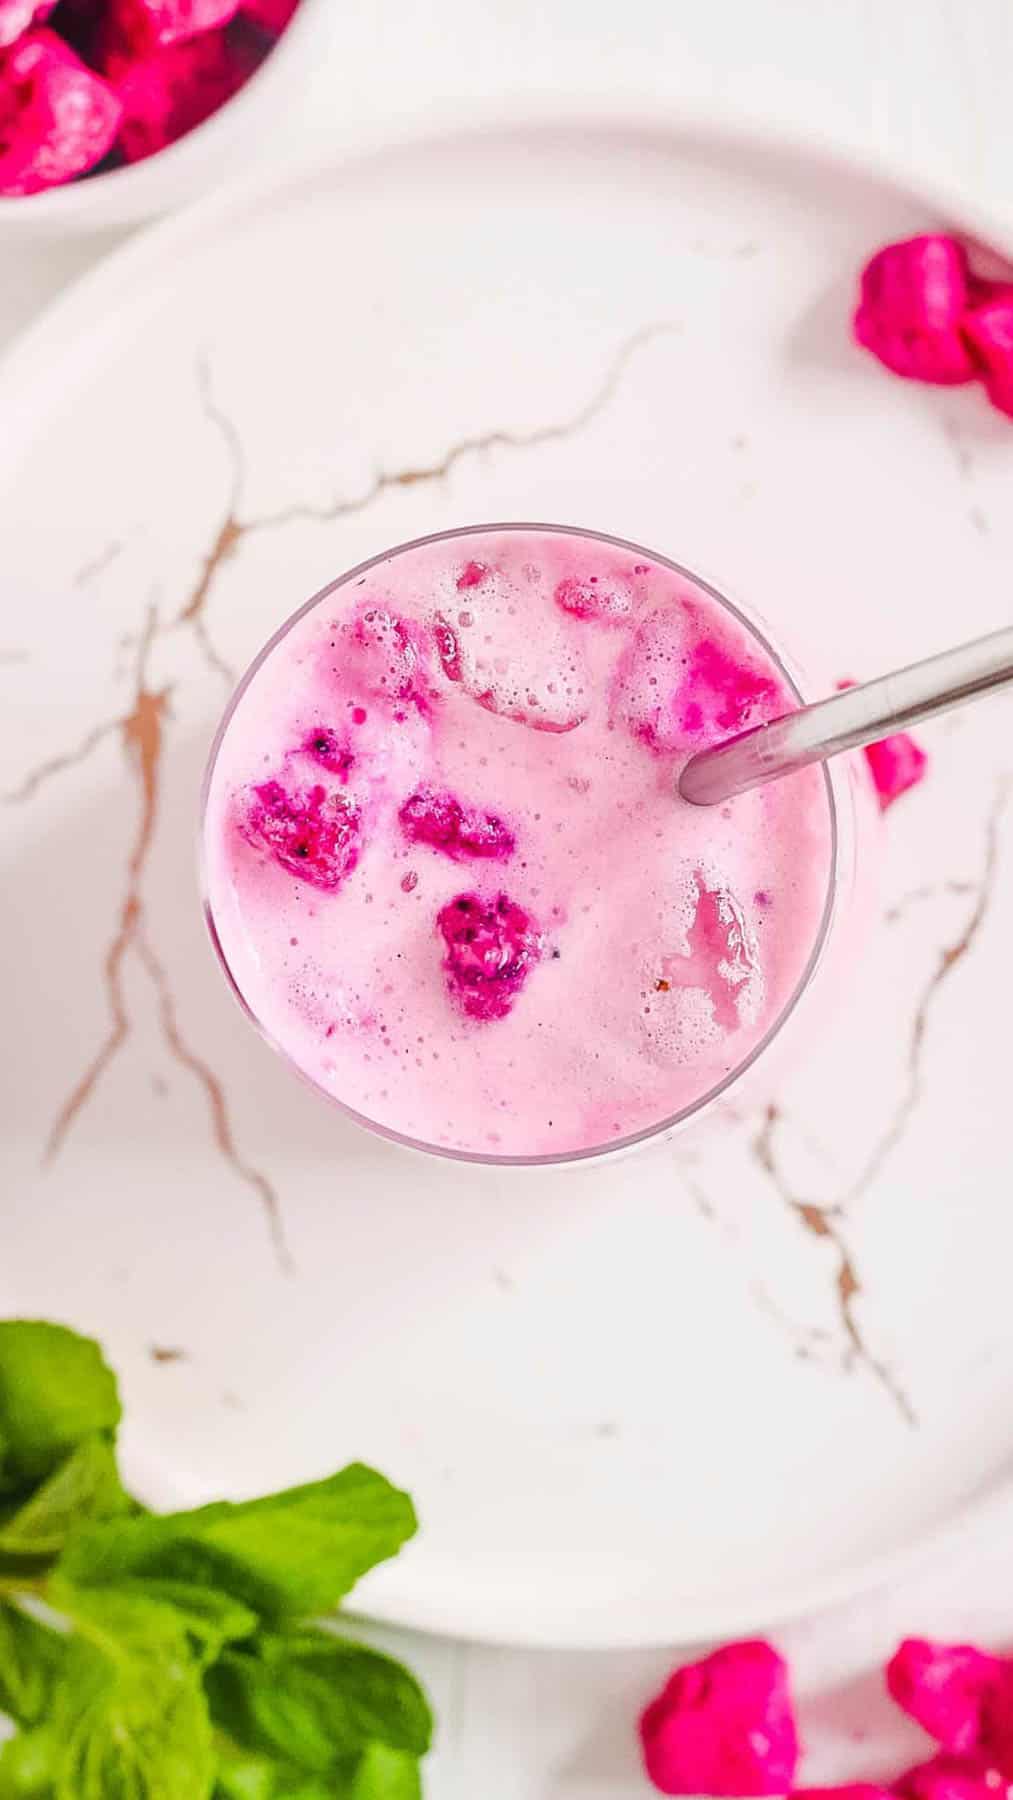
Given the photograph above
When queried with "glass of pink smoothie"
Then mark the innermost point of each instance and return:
(447, 868)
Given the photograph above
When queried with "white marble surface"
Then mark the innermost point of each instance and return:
(924, 82)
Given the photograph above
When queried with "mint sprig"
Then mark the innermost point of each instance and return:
(174, 1657)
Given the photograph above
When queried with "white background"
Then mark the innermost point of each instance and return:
(925, 84)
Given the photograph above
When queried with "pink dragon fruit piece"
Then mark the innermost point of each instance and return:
(271, 16)
(461, 832)
(725, 1725)
(143, 25)
(723, 692)
(949, 1777)
(57, 118)
(897, 763)
(588, 597)
(448, 647)
(18, 16)
(947, 1688)
(172, 88)
(313, 834)
(913, 299)
(988, 329)
(330, 751)
(472, 575)
(389, 657)
(492, 946)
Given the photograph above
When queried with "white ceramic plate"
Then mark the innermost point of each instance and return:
(637, 1402)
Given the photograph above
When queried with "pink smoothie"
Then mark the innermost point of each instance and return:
(446, 860)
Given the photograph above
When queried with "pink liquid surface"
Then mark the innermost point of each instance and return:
(448, 867)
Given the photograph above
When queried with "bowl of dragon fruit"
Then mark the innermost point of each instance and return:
(113, 110)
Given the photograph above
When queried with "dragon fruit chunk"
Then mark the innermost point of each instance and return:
(313, 834)
(988, 329)
(896, 763)
(18, 16)
(724, 1726)
(492, 946)
(438, 819)
(58, 119)
(914, 295)
(172, 88)
(946, 1688)
(949, 1777)
(271, 16)
(330, 751)
(143, 25)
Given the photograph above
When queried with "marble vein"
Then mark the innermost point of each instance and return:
(828, 1222)
(142, 734)
(235, 529)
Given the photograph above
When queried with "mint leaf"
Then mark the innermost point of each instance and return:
(28, 1764)
(298, 1552)
(131, 1711)
(258, 1778)
(85, 1486)
(313, 1699)
(385, 1774)
(32, 1658)
(378, 1774)
(55, 1389)
(210, 1619)
(145, 1736)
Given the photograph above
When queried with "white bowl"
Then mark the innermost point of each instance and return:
(221, 147)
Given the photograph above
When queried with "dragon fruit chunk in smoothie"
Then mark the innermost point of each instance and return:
(447, 865)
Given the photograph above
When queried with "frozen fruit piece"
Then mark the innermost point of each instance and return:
(175, 87)
(143, 25)
(589, 597)
(913, 300)
(312, 833)
(674, 694)
(988, 328)
(472, 575)
(725, 1725)
(897, 763)
(330, 751)
(448, 648)
(428, 817)
(18, 16)
(57, 118)
(946, 1687)
(722, 692)
(387, 656)
(271, 15)
(492, 945)
(949, 1777)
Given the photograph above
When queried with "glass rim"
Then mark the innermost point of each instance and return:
(613, 1147)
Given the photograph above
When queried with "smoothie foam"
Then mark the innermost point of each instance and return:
(446, 861)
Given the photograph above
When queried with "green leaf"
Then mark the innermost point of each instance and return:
(313, 1699)
(55, 1390)
(132, 1713)
(28, 1765)
(259, 1778)
(378, 1774)
(385, 1774)
(298, 1552)
(84, 1487)
(32, 1659)
(210, 1619)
